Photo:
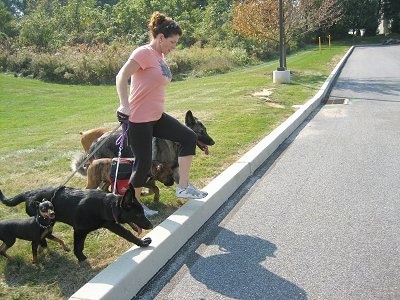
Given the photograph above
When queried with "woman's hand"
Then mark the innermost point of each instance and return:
(123, 114)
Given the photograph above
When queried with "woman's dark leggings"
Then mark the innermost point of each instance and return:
(140, 137)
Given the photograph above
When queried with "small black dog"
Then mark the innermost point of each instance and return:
(89, 210)
(35, 229)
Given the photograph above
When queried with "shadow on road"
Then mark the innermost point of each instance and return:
(240, 273)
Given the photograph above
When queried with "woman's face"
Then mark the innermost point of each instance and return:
(168, 44)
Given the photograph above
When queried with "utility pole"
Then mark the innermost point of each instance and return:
(282, 60)
(281, 75)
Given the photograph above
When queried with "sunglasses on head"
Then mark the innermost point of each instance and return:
(172, 25)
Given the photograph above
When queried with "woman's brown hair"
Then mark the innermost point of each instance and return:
(160, 23)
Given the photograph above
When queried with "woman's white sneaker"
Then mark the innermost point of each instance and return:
(149, 212)
(190, 192)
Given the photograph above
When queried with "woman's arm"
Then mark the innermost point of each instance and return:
(121, 82)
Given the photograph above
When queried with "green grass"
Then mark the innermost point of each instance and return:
(40, 125)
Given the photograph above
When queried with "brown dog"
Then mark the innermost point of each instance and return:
(89, 136)
(98, 176)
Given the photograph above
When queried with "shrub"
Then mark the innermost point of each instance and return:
(99, 64)
(197, 61)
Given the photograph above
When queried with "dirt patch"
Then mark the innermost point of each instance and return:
(264, 96)
(334, 61)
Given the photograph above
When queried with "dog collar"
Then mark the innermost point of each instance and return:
(38, 219)
(114, 206)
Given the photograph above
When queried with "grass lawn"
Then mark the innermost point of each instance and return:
(40, 124)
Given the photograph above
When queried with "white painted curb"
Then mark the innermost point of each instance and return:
(124, 278)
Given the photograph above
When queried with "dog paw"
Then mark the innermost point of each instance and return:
(145, 242)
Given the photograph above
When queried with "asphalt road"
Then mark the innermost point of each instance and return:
(321, 218)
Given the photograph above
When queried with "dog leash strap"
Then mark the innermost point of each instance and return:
(90, 155)
(120, 142)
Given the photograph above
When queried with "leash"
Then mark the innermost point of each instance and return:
(90, 155)
(120, 142)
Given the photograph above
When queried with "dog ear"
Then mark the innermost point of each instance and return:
(190, 120)
(126, 201)
(129, 200)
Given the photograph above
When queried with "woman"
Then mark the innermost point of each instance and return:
(144, 106)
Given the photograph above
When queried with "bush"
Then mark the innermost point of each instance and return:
(99, 64)
(197, 61)
(93, 65)
(74, 65)
(20, 61)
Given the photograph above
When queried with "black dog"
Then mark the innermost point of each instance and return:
(35, 229)
(164, 151)
(88, 210)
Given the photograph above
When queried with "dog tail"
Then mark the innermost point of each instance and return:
(13, 201)
(76, 164)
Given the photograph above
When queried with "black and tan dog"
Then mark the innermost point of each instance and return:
(98, 176)
(35, 229)
(164, 151)
(88, 210)
(167, 151)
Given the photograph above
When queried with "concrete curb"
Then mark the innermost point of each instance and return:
(124, 278)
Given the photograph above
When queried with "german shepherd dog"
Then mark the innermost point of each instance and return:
(99, 171)
(167, 151)
(164, 151)
(35, 229)
(89, 210)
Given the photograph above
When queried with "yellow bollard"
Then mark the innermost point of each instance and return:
(319, 43)
(329, 41)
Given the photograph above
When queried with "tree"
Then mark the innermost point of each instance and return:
(101, 3)
(47, 23)
(83, 21)
(361, 14)
(260, 20)
(37, 30)
(16, 7)
(130, 18)
(6, 27)
(257, 19)
(214, 24)
(390, 10)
